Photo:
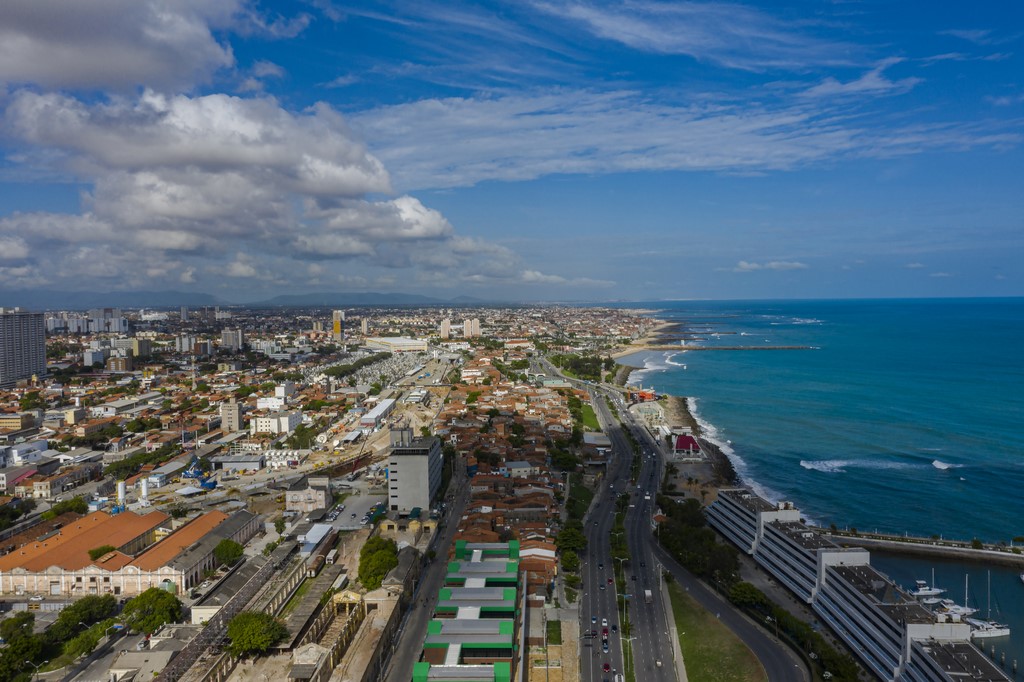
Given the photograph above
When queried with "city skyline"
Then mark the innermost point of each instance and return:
(512, 151)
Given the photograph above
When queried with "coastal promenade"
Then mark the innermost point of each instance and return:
(907, 544)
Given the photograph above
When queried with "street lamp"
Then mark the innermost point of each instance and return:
(35, 673)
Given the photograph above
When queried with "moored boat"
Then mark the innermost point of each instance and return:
(985, 629)
(923, 589)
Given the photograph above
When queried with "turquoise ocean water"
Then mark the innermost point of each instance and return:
(903, 416)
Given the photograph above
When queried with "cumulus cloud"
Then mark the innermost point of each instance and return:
(748, 266)
(13, 248)
(115, 44)
(240, 187)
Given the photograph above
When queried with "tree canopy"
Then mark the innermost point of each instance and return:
(252, 632)
(151, 609)
(228, 552)
(378, 556)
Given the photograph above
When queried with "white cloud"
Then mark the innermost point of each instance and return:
(242, 266)
(914, 266)
(940, 274)
(748, 266)
(732, 35)
(116, 44)
(13, 248)
(454, 142)
(871, 82)
(220, 178)
(341, 81)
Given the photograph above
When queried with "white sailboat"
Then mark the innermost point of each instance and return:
(923, 589)
(987, 629)
(950, 607)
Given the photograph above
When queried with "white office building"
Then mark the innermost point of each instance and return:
(414, 471)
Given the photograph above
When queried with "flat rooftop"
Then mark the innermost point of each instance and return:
(896, 604)
(748, 500)
(963, 661)
(802, 535)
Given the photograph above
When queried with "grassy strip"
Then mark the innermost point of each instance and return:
(554, 632)
(580, 497)
(711, 652)
(296, 598)
(590, 418)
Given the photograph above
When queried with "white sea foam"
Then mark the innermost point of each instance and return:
(839, 466)
(710, 432)
(942, 466)
(670, 361)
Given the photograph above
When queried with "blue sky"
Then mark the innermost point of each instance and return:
(530, 150)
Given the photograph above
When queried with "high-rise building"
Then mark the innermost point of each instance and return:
(184, 313)
(22, 346)
(338, 328)
(231, 416)
(446, 329)
(364, 326)
(471, 328)
(414, 471)
(231, 339)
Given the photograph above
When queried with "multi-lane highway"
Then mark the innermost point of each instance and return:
(652, 649)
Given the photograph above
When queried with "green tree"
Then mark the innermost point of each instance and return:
(279, 525)
(570, 561)
(96, 552)
(75, 504)
(377, 557)
(151, 609)
(571, 539)
(745, 595)
(252, 632)
(33, 400)
(228, 552)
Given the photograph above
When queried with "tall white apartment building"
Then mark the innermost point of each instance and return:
(22, 346)
(414, 471)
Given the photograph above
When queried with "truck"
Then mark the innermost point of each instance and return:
(648, 597)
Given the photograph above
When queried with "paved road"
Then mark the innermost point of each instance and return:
(408, 644)
(650, 631)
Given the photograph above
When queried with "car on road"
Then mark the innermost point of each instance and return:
(615, 628)
(607, 667)
(36, 597)
(593, 619)
(600, 566)
(632, 577)
(604, 647)
(602, 587)
(604, 622)
(604, 632)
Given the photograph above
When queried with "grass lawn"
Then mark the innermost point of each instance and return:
(712, 653)
(590, 418)
(554, 632)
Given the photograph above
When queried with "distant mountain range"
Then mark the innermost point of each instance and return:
(83, 300)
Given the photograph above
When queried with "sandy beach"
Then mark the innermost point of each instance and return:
(644, 343)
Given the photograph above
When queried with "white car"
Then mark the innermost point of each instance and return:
(36, 597)
(604, 622)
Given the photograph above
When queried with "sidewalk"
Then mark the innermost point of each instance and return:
(677, 652)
